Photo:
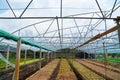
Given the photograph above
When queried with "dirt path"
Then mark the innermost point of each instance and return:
(46, 72)
(109, 74)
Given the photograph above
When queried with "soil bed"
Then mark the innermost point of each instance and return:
(46, 72)
(65, 71)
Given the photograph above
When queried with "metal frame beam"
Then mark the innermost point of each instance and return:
(100, 35)
(100, 9)
(25, 8)
(48, 27)
(11, 8)
(113, 7)
(55, 18)
(78, 30)
(59, 31)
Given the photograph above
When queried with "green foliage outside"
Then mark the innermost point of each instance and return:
(12, 58)
(112, 58)
(67, 53)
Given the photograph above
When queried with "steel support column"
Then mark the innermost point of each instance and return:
(84, 55)
(17, 64)
(105, 54)
(8, 49)
(34, 54)
(55, 55)
(95, 54)
(40, 56)
(25, 56)
(44, 55)
(48, 56)
(51, 56)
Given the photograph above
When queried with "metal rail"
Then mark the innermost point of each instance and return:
(55, 18)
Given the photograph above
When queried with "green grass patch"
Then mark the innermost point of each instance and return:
(114, 60)
(29, 61)
(2, 64)
(12, 60)
(111, 60)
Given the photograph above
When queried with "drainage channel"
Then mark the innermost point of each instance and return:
(79, 77)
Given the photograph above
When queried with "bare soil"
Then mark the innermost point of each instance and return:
(46, 72)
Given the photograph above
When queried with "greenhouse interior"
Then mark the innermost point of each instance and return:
(59, 39)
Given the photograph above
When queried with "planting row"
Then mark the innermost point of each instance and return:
(106, 72)
(102, 65)
(84, 72)
(65, 71)
(61, 70)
